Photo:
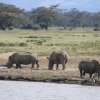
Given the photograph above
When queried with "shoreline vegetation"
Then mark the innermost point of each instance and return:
(86, 82)
(70, 75)
(80, 44)
(76, 42)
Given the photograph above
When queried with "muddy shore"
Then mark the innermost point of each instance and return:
(68, 76)
(87, 82)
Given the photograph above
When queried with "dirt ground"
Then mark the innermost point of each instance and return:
(69, 75)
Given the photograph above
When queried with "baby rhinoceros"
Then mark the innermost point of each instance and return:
(90, 67)
(57, 58)
(22, 58)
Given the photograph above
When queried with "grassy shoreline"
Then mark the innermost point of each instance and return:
(68, 76)
(75, 42)
(79, 44)
(87, 82)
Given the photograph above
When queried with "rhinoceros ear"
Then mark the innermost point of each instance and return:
(48, 58)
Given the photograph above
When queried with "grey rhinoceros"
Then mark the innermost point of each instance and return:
(90, 67)
(57, 57)
(22, 58)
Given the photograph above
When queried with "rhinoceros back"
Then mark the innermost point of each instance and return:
(58, 57)
(22, 58)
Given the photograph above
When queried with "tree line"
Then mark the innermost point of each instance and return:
(43, 17)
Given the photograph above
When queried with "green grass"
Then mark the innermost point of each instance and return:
(75, 42)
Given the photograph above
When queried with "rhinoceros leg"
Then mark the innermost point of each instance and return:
(17, 65)
(63, 66)
(80, 72)
(56, 66)
(90, 75)
(37, 64)
(20, 67)
(32, 65)
(98, 75)
(83, 73)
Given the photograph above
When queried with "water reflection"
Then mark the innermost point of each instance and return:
(12, 90)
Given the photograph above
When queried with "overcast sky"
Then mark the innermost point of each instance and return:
(83, 5)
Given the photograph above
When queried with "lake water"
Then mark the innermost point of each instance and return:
(12, 90)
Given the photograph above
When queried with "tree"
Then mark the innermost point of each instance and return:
(44, 16)
(96, 28)
(6, 20)
(8, 13)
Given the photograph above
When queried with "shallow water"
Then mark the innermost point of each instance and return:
(15, 90)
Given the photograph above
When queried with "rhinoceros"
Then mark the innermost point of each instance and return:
(90, 67)
(57, 57)
(22, 58)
